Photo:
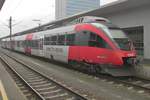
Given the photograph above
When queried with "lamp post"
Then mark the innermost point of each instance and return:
(10, 30)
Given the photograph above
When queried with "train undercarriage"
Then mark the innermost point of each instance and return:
(125, 70)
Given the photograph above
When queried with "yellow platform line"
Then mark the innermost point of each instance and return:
(3, 92)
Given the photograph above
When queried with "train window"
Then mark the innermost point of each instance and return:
(17, 43)
(53, 40)
(41, 44)
(82, 38)
(28, 43)
(70, 38)
(93, 37)
(47, 40)
(61, 39)
(33, 44)
(36, 44)
(97, 41)
(23, 45)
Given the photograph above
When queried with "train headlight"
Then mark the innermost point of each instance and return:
(130, 54)
(129, 61)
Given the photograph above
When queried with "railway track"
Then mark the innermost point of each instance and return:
(136, 82)
(35, 85)
(139, 84)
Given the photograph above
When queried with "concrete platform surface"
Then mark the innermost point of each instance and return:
(143, 71)
(3, 95)
(12, 91)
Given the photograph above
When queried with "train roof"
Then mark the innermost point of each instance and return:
(41, 34)
(85, 19)
(59, 30)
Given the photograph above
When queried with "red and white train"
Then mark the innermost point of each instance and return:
(88, 42)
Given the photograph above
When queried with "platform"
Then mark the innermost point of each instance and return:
(3, 95)
(9, 89)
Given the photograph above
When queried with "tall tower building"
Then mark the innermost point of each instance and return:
(64, 8)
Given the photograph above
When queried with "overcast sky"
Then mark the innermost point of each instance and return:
(24, 12)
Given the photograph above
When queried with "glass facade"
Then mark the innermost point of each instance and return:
(64, 8)
(77, 6)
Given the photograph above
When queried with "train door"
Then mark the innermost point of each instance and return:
(28, 46)
(28, 41)
(40, 43)
(102, 52)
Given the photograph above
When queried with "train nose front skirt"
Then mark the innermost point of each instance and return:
(122, 71)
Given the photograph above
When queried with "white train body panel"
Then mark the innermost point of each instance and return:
(58, 53)
(37, 52)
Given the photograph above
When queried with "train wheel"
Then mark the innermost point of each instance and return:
(98, 69)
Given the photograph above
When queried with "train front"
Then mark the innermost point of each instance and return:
(124, 51)
(123, 56)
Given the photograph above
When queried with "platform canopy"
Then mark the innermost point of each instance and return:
(1, 3)
(118, 6)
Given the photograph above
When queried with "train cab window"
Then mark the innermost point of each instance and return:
(97, 41)
(70, 38)
(82, 38)
(61, 40)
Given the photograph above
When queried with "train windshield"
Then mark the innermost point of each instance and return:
(116, 35)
